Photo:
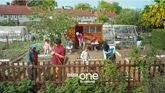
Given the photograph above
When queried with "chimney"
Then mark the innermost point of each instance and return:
(63, 7)
(7, 3)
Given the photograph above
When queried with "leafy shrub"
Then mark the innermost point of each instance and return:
(156, 85)
(8, 23)
(73, 85)
(11, 88)
(24, 86)
(50, 88)
(158, 38)
(2, 87)
(138, 89)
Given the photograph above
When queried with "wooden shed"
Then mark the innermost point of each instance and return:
(89, 30)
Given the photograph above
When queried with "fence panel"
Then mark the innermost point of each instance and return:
(58, 73)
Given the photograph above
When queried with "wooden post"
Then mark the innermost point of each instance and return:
(59, 73)
(94, 68)
(44, 67)
(129, 75)
(3, 72)
(139, 75)
(119, 65)
(19, 72)
(24, 70)
(134, 73)
(49, 70)
(154, 69)
(54, 73)
(69, 68)
(74, 68)
(13, 68)
(79, 69)
(124, 67)
(38, 68)
(64, 73)
(8, 69)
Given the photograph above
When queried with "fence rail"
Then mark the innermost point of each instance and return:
(43, 72)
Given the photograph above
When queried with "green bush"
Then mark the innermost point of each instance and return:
(11, 88)
(156, 85)
(50, 88)
(158, 38)
(24, 86)
(138, 89)
(8, 23)
(2, 87)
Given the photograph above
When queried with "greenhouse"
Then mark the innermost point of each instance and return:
(125, 35)
(13, 33)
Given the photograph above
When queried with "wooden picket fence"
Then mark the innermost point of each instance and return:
(46, 71)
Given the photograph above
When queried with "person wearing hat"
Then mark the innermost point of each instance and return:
(32, 59)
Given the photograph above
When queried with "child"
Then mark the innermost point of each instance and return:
(69, 45)
(80, 39)
(85, 56)
(46, 47)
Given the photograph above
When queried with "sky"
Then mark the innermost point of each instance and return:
(124, 3)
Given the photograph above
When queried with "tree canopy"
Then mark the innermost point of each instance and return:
(102, 18)
(51, 22)
(154, 14)
(43, 4)
(128, 17)
(83, 6)
(103, 5)
(19, 2)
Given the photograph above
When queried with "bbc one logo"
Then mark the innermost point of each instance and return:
(85, 77)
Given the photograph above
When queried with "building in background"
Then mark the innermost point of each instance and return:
(15, 12)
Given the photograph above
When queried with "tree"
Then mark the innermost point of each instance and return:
(43, 4)
(83, 6)
(103, 5)
(128, 17)
(102, 18)
(50, 22)
(19, 2)
(155, 14)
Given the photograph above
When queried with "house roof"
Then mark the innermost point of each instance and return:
(76, 12)
(111, 14)
(14, 9)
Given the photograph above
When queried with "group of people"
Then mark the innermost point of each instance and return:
(68, 46)
(58, 51)
(58, 55)
(82, 43)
